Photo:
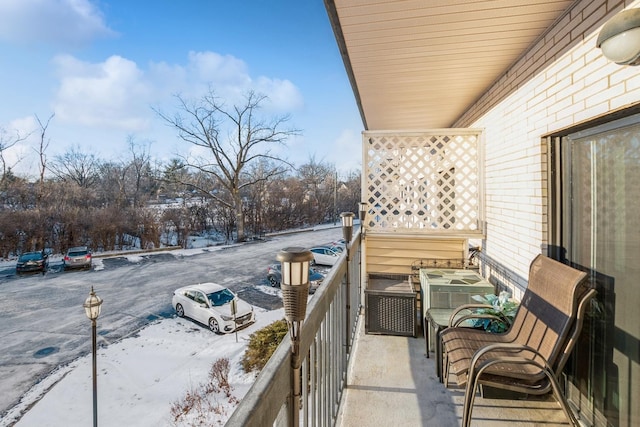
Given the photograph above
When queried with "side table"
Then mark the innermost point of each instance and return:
(438, 319)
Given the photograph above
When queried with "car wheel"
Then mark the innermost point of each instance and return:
(213, 325)
(179, 310)
(313, 262)
(273, 282)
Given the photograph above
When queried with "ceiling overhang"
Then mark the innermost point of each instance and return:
(420, 64)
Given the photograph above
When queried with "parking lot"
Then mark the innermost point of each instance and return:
(44, 325)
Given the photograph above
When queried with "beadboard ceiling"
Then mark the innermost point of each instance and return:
(418, 64)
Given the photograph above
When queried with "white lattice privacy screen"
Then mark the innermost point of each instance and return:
(423, 181)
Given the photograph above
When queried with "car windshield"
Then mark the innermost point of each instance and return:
(221, 297)
(78, 253)
(31, 256)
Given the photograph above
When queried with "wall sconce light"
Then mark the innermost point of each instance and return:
(619, 38)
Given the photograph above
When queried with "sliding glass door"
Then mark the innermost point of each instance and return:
(598, 230)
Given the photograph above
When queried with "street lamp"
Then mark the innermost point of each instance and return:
(295, 291)
(347, 232)
(92, 306)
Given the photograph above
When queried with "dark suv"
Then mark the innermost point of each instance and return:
(32, 261)
(78, 257)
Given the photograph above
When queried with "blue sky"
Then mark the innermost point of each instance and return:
(101, 65)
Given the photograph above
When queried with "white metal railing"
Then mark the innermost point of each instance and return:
(325, 341)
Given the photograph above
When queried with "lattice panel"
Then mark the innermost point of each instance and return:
(423, 182)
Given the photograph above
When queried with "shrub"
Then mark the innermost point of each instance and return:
(196, 407)
(262, 344)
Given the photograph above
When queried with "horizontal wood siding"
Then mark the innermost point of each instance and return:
(395, 254)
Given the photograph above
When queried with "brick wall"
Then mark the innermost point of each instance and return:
(562, 81)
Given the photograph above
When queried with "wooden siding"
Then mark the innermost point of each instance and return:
(394, 254)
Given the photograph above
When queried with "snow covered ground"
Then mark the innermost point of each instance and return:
(142, 376)
(139, 378)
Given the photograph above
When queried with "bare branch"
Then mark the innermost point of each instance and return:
(233, 138)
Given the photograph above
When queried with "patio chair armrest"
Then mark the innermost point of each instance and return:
(473, 316)
(542, 363)
(469, 307)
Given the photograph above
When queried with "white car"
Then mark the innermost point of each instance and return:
(324, 255)
(212, 305)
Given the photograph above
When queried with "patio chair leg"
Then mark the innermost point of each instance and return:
(445, 369)
(469, 397)
(564, 404)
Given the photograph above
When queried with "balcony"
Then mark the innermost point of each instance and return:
(351, 378)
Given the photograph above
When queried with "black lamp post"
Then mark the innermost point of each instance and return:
(295, 291)
(347, 233)
(92, 307)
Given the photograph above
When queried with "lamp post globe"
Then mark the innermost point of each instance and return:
(92, 305)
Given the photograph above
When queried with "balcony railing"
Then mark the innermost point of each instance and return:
(326, 339)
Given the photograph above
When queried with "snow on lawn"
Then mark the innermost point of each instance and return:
(141, 377)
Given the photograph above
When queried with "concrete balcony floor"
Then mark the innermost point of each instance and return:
(391, 382)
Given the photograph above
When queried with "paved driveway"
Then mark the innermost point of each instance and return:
(43, 324)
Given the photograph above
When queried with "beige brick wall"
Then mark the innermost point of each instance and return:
(562, 81)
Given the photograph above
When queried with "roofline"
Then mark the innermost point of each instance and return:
(337, 31)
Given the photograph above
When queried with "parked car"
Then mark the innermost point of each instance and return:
(337, 248)
(339, 242)
(274, 274)
(324, 255)
(78, 257)
(32, 261)
(211, 304)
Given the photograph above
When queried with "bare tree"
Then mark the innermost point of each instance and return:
(76, 166)
(44, 144)
(7, 142)
(138, 170)
(232, 138)
(318, 179)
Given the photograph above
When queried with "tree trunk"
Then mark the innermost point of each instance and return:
(239, 217)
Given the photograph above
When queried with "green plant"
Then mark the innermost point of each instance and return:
(262, 344)
(502, 307)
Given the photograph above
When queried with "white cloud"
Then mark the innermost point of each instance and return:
(62, 22)
(117, 93)
(229, 77)
(112, 93)
(349, 141)
(283, 94)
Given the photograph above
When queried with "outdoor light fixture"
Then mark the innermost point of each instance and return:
(619, 38)
(347, 226)
(363, 215)
(92, 306)
(347, 233)
(295, 291)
